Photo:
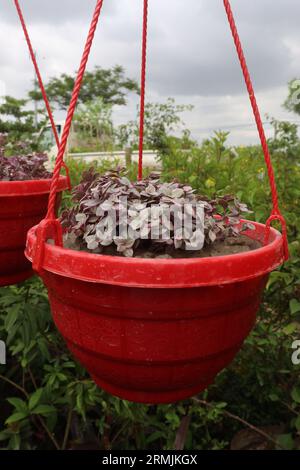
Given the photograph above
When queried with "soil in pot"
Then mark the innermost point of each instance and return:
(230, 246)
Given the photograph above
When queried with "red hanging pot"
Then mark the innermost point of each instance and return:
(156, 331)
(22, 205)
(147, 330)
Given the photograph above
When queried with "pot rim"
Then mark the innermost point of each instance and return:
(164, 273)
(30, 187)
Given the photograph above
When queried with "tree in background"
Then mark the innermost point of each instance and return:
(18, 122)
(93, 126)
(109, 84)
(161, 119)
(292, 102)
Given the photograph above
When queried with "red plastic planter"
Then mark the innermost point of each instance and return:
(22, 205)
(156, 331)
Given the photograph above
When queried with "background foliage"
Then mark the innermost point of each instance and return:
(47, 400)
(110, 84)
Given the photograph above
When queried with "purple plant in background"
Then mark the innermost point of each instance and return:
(20, 167)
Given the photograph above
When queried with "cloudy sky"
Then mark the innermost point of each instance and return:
(191, 55)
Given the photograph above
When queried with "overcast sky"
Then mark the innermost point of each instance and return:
(191, 55)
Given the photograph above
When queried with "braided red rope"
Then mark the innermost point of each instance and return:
(40, 81)
(276, 214)
(50, 227)
(143, 88)
(71, 110)
(50, 224)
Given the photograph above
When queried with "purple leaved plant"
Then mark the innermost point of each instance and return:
(112, 215)
(22, 168)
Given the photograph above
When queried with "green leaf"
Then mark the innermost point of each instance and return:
(280, 278)
(155, 436)
(290, 329)
(274, 397)
(19, 404)
(15, 442)
(286, 441)
(62, 377)
(24, 363)
(193, 179)
(51, 421)
(14, 418)
(294, 306)
(4, 435)
(296, 394)
(297, 423)
(221, 405)
(17, 348)
(173, 418)
(12, 317)
(79, 400)
(44, 410)
(35, 398)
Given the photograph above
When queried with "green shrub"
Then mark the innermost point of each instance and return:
(47, 399)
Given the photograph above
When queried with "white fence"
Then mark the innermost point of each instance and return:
(149, 157)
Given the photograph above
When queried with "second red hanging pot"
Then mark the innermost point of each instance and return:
(22, 205)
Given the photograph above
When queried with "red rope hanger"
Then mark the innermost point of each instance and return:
(276, 214)
(143, 88)
(71, 110)
(50, 227)
(40, 82)
(50, 223)
(44, 94)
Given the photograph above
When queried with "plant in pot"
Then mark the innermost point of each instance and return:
(24, 190)
(152, 219)
(149, 325)
(154, 287)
